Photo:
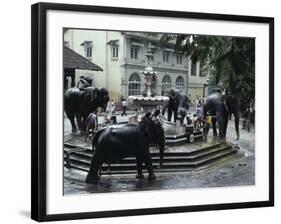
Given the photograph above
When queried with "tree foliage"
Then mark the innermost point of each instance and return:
(231, 61)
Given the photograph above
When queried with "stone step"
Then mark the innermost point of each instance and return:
(168, 157)
(83, 164)
(197, 149)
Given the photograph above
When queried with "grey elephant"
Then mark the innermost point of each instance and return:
(220, 107)
(80, 103)
(177, 104)
(120, 141)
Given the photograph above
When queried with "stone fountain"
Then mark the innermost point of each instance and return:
(149, 100)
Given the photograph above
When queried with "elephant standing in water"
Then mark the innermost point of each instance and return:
(177, 103)
(115, 142)
(220, 107)
(80, 103)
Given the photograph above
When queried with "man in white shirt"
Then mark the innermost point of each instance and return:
(124, 107)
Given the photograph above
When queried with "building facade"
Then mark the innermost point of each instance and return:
(122, 58)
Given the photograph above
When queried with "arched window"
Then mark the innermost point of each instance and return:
(166, 85)
(134, 85)
(180, 84)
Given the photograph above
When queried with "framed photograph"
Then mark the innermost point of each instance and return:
(139, 111)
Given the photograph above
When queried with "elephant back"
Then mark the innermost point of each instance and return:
(72, 97)
(211, 103)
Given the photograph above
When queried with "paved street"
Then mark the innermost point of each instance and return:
(238, 170)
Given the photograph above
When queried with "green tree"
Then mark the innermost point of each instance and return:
(231, 61)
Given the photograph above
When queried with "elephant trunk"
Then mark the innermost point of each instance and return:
(237, 126)
(105, 102)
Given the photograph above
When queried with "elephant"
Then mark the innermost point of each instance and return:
(177, 103)
(183, 108)
(220, 107)
(80, 103)
(113, 143)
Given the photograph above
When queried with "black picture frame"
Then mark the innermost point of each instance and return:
(39, 114)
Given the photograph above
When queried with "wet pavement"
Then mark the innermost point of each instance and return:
(235, 170)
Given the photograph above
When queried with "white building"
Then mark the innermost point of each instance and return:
(122, 57)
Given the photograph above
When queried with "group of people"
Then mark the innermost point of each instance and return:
(198, 120)
(109, 116)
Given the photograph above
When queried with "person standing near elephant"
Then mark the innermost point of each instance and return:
(207, 125)
(83, 83)
(91, 124)
(198, 118)
(112, 107)
(196, 103)
(172, 104)
(124, 107)
(108, 108)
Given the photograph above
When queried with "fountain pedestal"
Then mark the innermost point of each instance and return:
(148, 100)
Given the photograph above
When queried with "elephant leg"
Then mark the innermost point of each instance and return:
(93, 175)
(161, 151)
(236, 121)
(149, 167)
(72, 121)
(221, 125)
(169, 114)
(83, 122)
(73, 124)
(79, 121)
(139, 169)
(175, 115)
(226, 118)
(214, 124)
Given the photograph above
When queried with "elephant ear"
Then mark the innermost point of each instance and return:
(90, 94)
(95, 94)
(147, 115)
(155, 114)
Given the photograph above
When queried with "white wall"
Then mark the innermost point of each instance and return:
(15, 133)
(110, 77)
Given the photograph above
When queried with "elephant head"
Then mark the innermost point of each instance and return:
(103, 98)
(155, 131)
(172, 94)
(173, 102)
(90, 94)
(95, 97)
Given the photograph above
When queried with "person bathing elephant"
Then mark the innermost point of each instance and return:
(177, 103)
(220, 107)
(183, 108)
(80, 103)
(116, 142)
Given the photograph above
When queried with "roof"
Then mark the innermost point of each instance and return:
(73, 60)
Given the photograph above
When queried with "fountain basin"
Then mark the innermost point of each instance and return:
(148, 103)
